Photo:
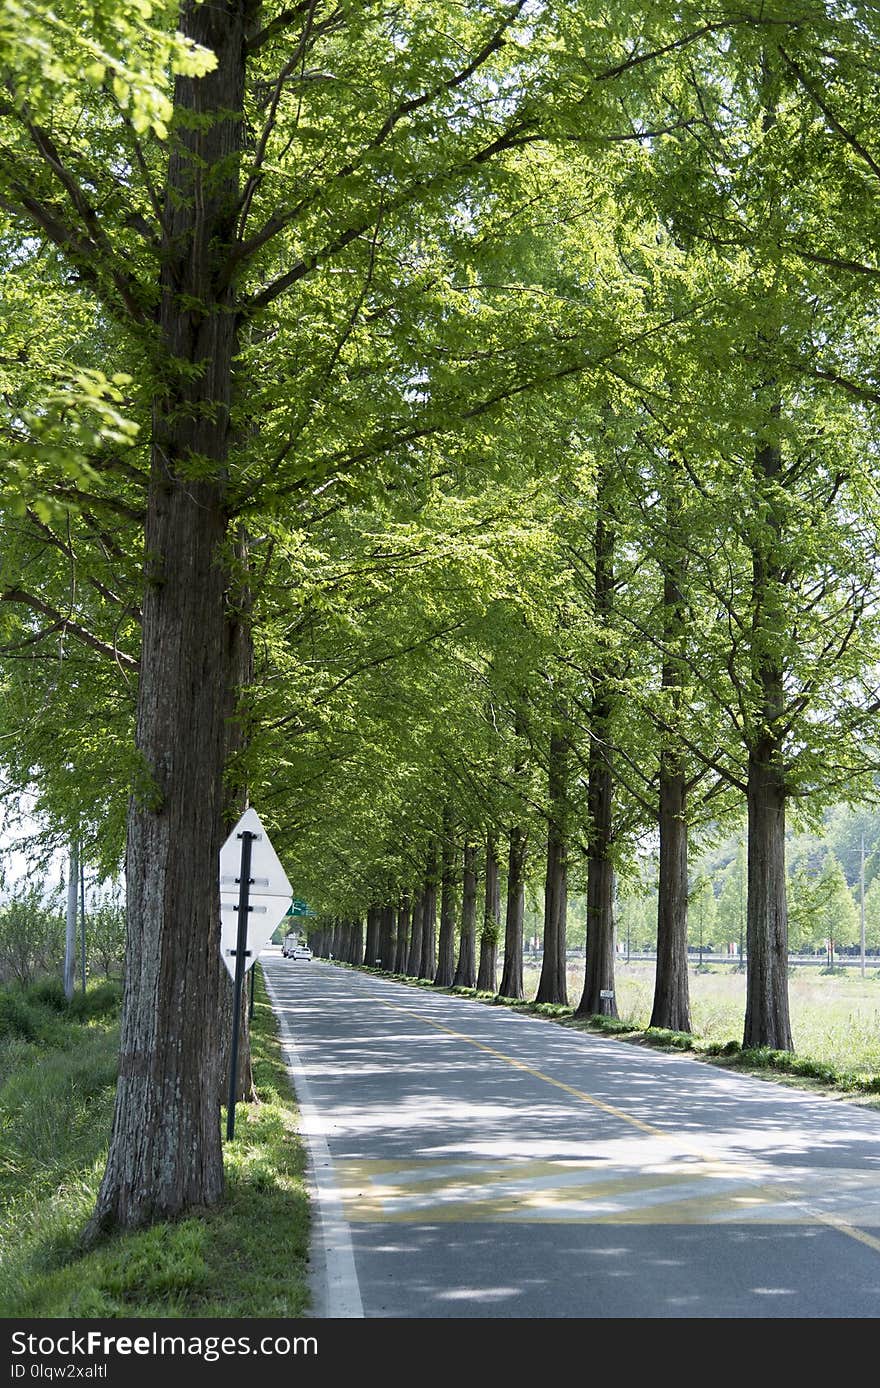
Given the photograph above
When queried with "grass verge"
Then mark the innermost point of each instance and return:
(804, 1071)
(247, 1259)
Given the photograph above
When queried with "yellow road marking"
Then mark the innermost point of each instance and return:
(537, 1074)
(842, 1226)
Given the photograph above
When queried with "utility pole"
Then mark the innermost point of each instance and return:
(862, 901)
(82, 921)
(70, 934)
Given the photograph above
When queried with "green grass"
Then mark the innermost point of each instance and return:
(247, 1259)
(835, 1018)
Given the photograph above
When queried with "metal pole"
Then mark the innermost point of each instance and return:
(70, 931)
(862, 902)
(251, 1008)
(244, 883)
(82, 919)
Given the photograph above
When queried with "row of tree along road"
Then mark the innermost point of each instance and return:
(452, 429)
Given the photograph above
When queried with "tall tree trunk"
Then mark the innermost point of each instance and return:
(414, 959)
(428, 965)
(165, 1153)
(466, 968)
(386, 938)
(552, 986)
(767, 1021)
(671, 991)
(402, 936)
(599, 972)
(446, 945)
(512, 973)
(356, 943)
(487, 973)
(371, 946)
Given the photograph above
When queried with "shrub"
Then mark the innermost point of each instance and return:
(678, 1040)
(18, 1016)
(104, 1000)
(48, 992)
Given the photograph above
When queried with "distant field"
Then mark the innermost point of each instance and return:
(835, 1018)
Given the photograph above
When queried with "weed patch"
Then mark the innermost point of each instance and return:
(247, 1259)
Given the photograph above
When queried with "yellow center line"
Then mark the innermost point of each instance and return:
(528, 1070)
(842, 1226)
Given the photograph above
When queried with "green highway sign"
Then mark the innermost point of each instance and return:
(299, 908)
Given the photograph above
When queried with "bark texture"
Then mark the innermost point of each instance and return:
(487, 973)
(386, 938)
(512, 973)
(446, 943)
(371, 945)
(402, 946)
(599, 968)
(414, 958)
(165, 1153)
(466, 968)
(428, 964)
(599, 972)
(356, 942)
(671, 991)
(552, 986)
(767, 1021)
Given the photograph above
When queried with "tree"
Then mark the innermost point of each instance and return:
(105, 933)
(825, 915)
(872, 916)
(702, 913)
(192, 256)
(791, 594)
(731, 903)
(286, 227)
(637, 913)
(487, 971)
(31, 938)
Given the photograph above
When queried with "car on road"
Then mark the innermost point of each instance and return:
(295, 949)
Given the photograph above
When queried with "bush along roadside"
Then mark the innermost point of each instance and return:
(729, 1054)
(57, 1080)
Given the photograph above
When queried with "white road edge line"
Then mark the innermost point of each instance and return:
(335, 1285)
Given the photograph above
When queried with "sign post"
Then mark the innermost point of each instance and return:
(241, 951)
(254, 895)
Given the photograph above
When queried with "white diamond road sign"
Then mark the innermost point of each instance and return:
(270, 891)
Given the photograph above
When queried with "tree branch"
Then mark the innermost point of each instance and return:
(66, 624)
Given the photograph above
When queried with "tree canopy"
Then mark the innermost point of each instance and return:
(451, 426)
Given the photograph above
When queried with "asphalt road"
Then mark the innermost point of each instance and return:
(472, 1162)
